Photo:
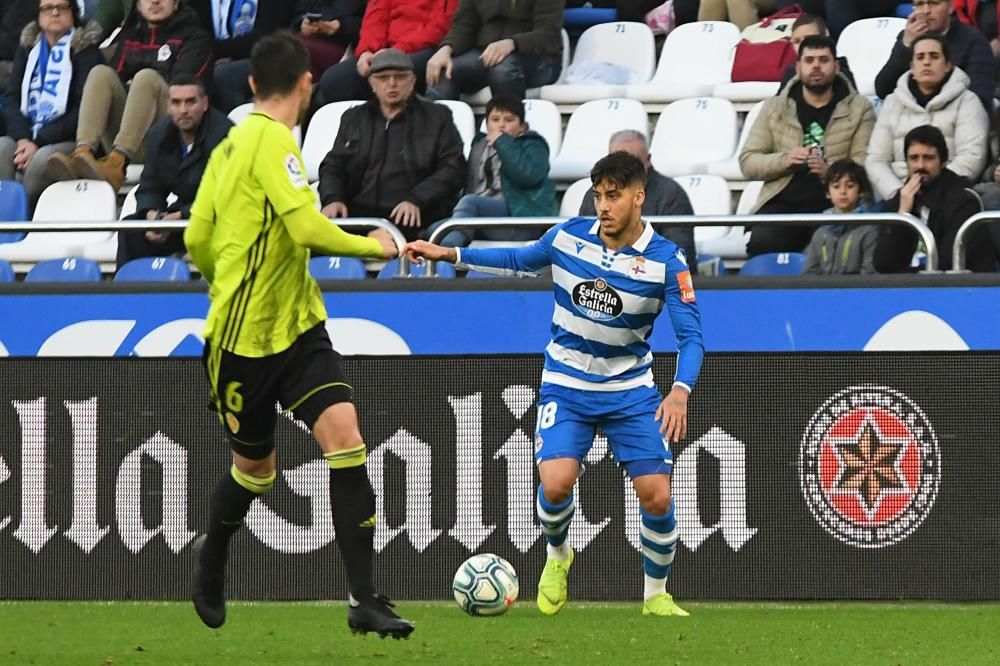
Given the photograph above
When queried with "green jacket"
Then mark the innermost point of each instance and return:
(111, 14)
(524, 173)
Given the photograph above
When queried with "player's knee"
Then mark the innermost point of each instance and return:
(655, 501)
(557, 491)
(337, 428)
(258, 481)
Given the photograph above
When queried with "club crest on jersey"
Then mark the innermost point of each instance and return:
(637, 266)
(596, 299)
(294, 169)
(686, 285)
(869, 466)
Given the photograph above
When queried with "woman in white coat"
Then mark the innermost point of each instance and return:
(933, 92)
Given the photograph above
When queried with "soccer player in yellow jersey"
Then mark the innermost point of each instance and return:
(253, 223)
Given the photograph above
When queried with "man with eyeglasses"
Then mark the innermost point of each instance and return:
(970, 51)
(397, 157)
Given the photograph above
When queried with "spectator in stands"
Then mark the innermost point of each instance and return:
(327, 28)
(161, 39)
(841, 13)
(508, 175)
(398, 156)
(740, 12)
(818, 119)
(664, 196)
(804, 26)
(53, 59)
(941, 198)
(508, 47)
(177, 150)
(933, 92)
(235, 26)
(112, 13)
(968, 47)
(981, 14)
(14, 16)
(414, 27)
(837, 249)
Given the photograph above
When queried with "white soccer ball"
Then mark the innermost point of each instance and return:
(485, 584)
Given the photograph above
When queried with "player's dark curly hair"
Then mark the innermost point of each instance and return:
(621, 168)
(276, 63)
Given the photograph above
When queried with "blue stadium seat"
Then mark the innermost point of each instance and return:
(154, 269)
(711, 264)
(904, 10)
(576, 20)
(337, 268)
(391, 270)
(774, 263)
(13, 208)
(6, 272)
(70, 269)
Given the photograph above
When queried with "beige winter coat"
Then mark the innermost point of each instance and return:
(777, 131)
(956, 111)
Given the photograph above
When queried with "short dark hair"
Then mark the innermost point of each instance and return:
(185, 79)
(506, 103)
(926, 135)
(276, 63)
(818, 42)
(945, 51)
(621, 168)
(811, 19)
(850, 169)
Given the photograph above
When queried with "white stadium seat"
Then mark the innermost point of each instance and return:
(237, 115)
(321, 134)
(690, 134)
(66, 201)
(464, 119)
(730, 168)
(626, 44)
(746, 92)
(543, 117)
(588, 131)
(695, 57)
(573, 198)
(482, 96)
(867, 44)
(733, 245)
(709, 195)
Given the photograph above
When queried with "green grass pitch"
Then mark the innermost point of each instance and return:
(36, 632)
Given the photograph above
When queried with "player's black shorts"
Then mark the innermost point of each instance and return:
(305, 379)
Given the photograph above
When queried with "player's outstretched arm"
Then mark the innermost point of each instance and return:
(419, 250)
(310, 228)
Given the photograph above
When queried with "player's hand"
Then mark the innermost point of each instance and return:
(419, 250)
(795, 157)
(496, 52)
(672, 413)
(916, 25)
(908, 193)
(335, 209)
(817, 165)
(365, 63)
(440, 60)
(389, 248)
(405, 214)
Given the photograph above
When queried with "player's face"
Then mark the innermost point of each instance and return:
(923, 161)
(187, 107)
(618, 207)
(393, 87)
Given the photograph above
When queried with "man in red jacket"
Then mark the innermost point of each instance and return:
(415, 27)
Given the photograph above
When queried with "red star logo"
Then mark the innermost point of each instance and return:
(870, 466)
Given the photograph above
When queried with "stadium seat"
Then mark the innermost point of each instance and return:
(237, 115)
(66, 269)
(690, 134)
(774, 263)
(904, 10)
(730, 168)
(337, 268)
(154, 269)
(69, 200)
(709, 195)
(746, 92)
(573, 198)
(482, 96)
(695, 57)
(543, 117)
(579, 19)
(464, 119)
(588, 131)
(322, 131)
(13, 208)
(626, 44)
(749, 196)
(6, 271)
(867, 44)
(391, 270)
(710, 264)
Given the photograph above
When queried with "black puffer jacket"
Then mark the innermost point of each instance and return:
(179, 45)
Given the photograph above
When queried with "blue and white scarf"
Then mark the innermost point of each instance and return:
(233, 18)
(45, 86)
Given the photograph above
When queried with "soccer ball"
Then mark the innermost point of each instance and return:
(485, 584)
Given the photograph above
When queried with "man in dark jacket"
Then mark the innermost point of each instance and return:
(969, 50)
(14, 15)
(942, 199)
(397, 157)
(161, 39)
(508, 46)
(664, 196)
(177, 150)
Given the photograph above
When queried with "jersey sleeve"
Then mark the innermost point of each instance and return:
(280, 172)
(682, 306)
(528, 261)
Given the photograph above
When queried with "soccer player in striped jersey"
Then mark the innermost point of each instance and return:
(253, 223)
(612, 277)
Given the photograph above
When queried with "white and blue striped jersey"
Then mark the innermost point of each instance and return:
(605, 304)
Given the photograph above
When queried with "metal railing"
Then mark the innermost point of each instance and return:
(812, 219)
(958, 249)
(348, 224)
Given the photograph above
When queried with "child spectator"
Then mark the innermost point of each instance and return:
(837, 249)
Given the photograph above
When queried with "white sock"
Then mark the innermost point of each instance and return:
(558, 552)
(653, 586)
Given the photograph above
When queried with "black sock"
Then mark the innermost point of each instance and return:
(353, 504)
(229, 505)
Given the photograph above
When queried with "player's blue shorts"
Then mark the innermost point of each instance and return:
(567, 420)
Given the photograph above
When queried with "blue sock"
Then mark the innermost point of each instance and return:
(555, 520)
(658, 536)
